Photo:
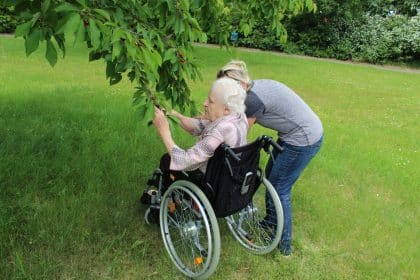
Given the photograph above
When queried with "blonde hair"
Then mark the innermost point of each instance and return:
(236, 69)
(231, 94)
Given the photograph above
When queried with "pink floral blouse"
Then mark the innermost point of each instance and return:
(231, 129)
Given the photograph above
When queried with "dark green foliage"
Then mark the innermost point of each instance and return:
(150, 41)
(347, 30)
(8, 20)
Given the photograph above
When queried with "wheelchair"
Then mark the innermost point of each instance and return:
(233, 188)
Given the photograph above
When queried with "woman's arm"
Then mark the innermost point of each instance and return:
(188, 124)
(161, 123)
(251, 121)
(195, 156)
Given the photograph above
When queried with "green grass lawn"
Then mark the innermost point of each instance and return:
(74, 159)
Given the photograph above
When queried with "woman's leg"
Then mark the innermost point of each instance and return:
(285, 170)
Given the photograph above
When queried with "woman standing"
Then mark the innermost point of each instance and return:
(275, 106)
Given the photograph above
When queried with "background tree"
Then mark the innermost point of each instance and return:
(149, 40)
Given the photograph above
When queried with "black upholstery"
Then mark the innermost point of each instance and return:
(225, 175)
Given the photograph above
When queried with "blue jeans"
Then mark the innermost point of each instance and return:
(282, 174)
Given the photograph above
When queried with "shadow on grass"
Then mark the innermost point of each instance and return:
(72, 169)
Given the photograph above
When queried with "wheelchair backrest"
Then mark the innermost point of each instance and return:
(224, 181)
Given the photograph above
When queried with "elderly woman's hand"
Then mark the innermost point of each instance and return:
(160, 121)
(162, 125)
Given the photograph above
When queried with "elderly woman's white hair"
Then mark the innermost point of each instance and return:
(231, 94)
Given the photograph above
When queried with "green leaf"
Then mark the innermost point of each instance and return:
(115, 79)
(66, 7)
(121, 66)
(138, 99)
(94, 55)
(193, 109)
(103, 13)
(51, 53)
(95, 34)
(186, 4)
(35, 18)
(172, 119)
(131, 75)
(203, 38)
(157, 59)
(23, 29)
(81, 2)
(314, 7)
(116, 49)
(72, 24)
(110, 69)
(32, 41)
(246, 29)
(45, 6)
(80, 35)
(150, 112)
(142, 111)
(60, 42)
(173, 122)
(131, 50)
(169, 54)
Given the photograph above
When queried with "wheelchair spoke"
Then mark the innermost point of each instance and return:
(188, 232)
(253, 227)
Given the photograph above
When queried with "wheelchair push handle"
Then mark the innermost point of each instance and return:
(275, 145)
(267, 141)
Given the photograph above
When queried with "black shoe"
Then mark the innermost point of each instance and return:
(285, 250)
(147, 196)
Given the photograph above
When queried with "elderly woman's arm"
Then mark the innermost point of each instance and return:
(161, 123)
(194, 157)
(191, 158)
(192, 125)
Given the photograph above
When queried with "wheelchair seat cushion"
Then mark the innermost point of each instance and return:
(224, 178)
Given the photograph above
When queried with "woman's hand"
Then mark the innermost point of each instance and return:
(160, 121)
(162, 125)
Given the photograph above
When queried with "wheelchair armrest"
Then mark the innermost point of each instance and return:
(231, 153)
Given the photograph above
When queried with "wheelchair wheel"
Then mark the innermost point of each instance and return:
(189, 230)
(255, 228)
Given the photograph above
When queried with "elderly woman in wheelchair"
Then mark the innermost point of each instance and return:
(218, 177)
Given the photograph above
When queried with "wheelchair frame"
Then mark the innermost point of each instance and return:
(189, 226)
